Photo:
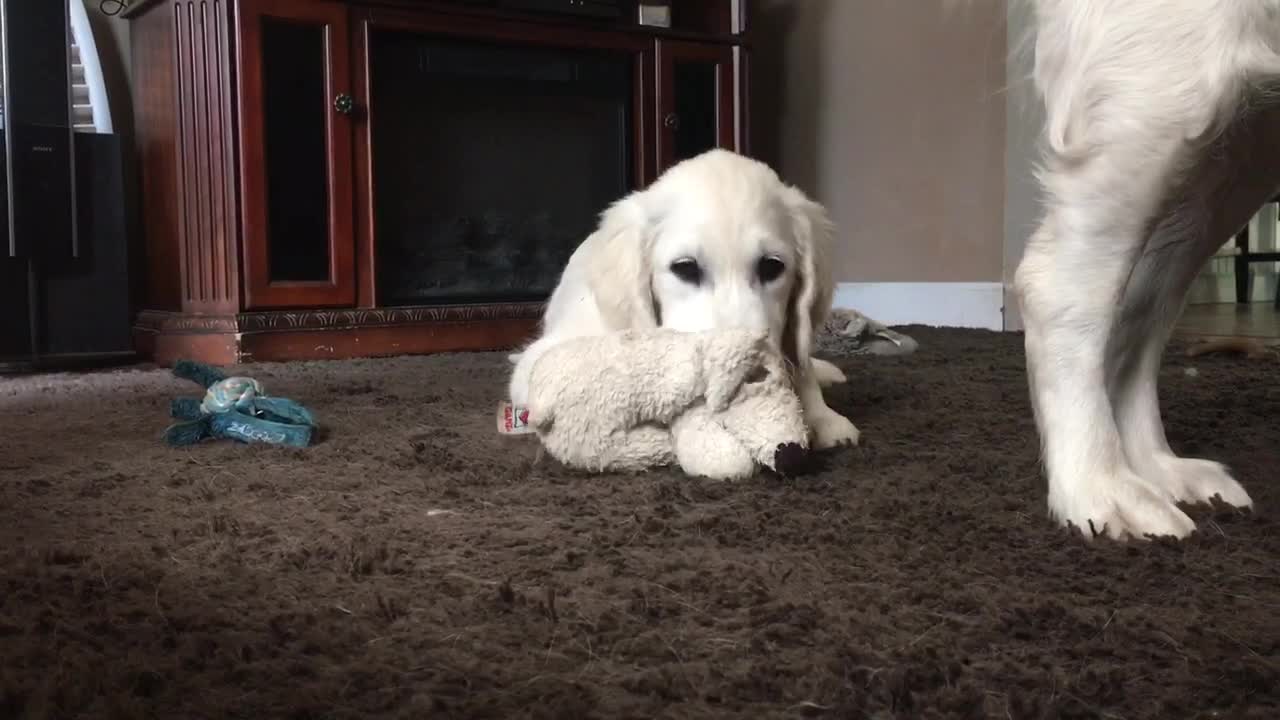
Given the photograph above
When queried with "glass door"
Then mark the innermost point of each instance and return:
(296, 110)
(695, 100)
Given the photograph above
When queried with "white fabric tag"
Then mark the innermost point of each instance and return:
(513, 419)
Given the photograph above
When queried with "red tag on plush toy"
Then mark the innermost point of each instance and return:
(513, 419)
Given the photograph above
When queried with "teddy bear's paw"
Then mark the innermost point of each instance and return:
(728, 464)
(831, 429)
(792, 459)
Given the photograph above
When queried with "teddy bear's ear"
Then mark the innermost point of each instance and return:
(730, 358)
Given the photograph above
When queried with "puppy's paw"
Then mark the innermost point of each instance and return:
(827, 373)
(1119, 505)
(831, 429)
(1193, 481)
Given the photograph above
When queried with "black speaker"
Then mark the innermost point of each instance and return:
(40, 167)
(64, 259)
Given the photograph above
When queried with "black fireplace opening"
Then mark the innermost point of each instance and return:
(491, 163)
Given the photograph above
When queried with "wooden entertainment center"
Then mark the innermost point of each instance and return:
(286, 218)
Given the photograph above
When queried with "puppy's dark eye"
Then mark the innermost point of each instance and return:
(687, 269)
(769, 268)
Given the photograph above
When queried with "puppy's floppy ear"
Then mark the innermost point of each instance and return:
(618, 267)
(811, 298)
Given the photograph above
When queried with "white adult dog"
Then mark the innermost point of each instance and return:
(1162, 139)
(717, 241)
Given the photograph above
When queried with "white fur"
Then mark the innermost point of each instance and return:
(716, 403)
(1162, 138)
(725, 212)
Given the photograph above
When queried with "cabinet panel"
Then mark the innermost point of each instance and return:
(696, 99)
(296, 108)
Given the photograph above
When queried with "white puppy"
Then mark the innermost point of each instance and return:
(1162, 139)
(717, 241)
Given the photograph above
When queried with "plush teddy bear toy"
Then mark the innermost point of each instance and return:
(719, 404)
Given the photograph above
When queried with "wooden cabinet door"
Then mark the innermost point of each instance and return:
(697, 100)
(295, 110)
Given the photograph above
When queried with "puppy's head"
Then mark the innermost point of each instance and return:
(719, 241)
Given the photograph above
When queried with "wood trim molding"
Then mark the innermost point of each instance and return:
(163, 321)
(454, 7)
(319, 319)
(281, 335)
(383, 317)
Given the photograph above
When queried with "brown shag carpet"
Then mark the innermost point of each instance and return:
(415, 564)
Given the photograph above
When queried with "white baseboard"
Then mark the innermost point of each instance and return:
(939, 304)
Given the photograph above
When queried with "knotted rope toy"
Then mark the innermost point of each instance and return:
(235, 408)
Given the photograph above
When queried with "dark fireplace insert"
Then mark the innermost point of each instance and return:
(491, 163)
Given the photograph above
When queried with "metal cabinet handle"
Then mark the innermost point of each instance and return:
(344, 104)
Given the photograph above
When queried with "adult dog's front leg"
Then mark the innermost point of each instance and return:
(827, 428)
(1070, 282)
(1137, 407)
(1152, 303)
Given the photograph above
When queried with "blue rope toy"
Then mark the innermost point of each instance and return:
(235, 408)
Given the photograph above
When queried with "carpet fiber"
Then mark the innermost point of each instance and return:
(415, 564)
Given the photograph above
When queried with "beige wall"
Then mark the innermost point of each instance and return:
(892, 113)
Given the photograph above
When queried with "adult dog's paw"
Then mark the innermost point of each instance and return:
(1119, 505)
(1192, 481)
